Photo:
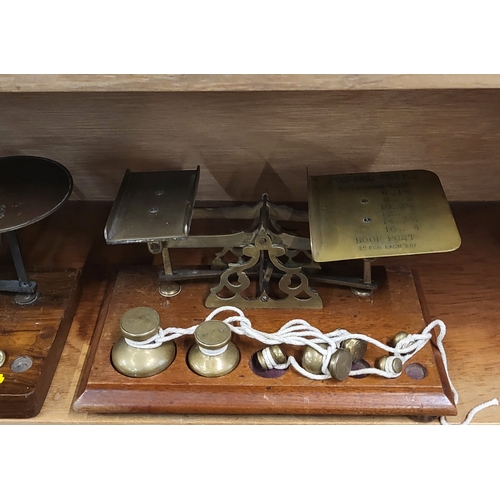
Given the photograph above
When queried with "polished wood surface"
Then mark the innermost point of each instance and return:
(461, 288)
(250, 142)
(189, 83)
(395, 306)
(36, 331)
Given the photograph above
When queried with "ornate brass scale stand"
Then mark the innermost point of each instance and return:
(264, 252)
(148, 210)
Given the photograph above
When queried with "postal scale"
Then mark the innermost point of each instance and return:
(36, 305)
(276, 263)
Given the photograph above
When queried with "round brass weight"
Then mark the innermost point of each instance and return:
(356, 347)
(276, 353)
(395, 363)
(397, 338)
(339, 366)
(140, 324)
(205, 358)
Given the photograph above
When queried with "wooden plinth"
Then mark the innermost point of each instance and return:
(39, 331)
(397, 305)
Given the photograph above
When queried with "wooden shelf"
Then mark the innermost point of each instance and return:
(237, 83)
(250, 142)
(461, 288)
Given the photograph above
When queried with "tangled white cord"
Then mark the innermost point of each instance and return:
(300, 333)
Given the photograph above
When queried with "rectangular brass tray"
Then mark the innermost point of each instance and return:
(369, 215)
(152, 206)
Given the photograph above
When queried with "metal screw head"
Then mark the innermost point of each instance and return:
(154, 247)
(169, 288)
(24, 299)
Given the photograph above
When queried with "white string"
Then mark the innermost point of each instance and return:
(163, 335)
(269, 360)
(440, 346)
(299, 332)
(213, 352)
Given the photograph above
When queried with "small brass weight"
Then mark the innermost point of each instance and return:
(214, 354)
(339, 365)
(139, 324)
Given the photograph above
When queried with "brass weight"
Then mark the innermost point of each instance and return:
(339, 365)
(356, 347)
(139, 324)
(276, 353)
(214, 354)
(387, 362)
(398, 337)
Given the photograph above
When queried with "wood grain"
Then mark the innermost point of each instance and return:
(249, 142)
(190, 83)
(38, 331)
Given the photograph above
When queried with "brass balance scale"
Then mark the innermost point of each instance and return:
(350, 217)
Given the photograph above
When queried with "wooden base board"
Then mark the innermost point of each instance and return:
(397, 305)
(39, 331)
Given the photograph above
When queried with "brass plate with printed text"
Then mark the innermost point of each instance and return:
(369, 215)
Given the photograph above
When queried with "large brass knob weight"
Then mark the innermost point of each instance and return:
(139, 324)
